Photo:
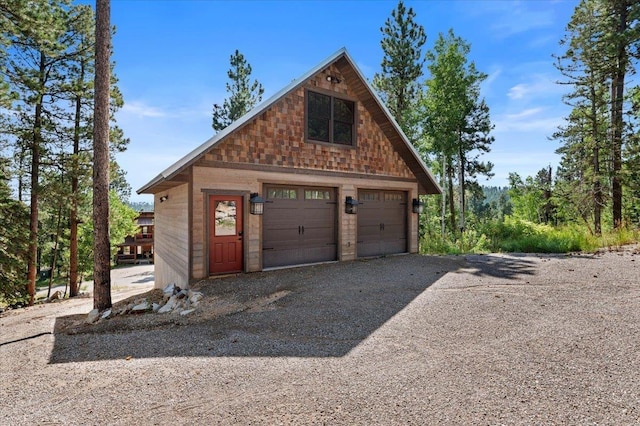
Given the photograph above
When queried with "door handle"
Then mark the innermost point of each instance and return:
(302, 229)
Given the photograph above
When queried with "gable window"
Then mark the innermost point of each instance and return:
(330, 119)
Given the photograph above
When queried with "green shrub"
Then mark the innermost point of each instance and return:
(518, 235)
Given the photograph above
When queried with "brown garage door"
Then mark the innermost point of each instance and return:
(299, 226)
(382, 222)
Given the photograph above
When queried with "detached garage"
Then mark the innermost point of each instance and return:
(319, 172)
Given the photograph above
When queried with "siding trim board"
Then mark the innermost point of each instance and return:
(298, 171)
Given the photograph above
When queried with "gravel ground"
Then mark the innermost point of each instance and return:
(481, 339)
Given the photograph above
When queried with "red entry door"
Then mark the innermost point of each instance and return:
(225, 234)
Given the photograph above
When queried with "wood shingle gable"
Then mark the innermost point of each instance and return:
(269, 137)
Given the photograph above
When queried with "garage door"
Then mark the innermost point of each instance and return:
(382, 222)
(299, 226)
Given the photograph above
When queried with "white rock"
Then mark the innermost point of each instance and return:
(92, 316)
(106, 314)
(169, 291)
(195, 297)
(168, 307)
(186, 312)
(140, 307)
(155, 307)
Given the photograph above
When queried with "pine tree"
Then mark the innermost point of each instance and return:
(243, 94)
(36, 54)
(621, 37)
(402, 66)
(602, 38)
(14, 242)
(101, 116)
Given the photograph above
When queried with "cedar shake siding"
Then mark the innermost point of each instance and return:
(277, 138)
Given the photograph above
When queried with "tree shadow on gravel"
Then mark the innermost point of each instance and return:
(510, 267)
(313, 311)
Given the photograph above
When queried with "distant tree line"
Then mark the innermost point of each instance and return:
(435, 98)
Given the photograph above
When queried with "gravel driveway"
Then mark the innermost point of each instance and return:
(482, 339)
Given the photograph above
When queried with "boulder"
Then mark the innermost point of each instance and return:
(170, 290)
(195, 297)
(92, 316)
(106, 314)
(168, 307)
(140, 307)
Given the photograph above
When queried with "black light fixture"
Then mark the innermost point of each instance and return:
(256, 204)
(417, 206)
(350, 205)
(164, 198)
(333, 79)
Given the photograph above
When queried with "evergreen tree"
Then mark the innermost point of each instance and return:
(602, 39)
(621, 35)
(402, 66)
(36, 54)
(586, 129)
(243, 94)
(457, 125)
(14, 243)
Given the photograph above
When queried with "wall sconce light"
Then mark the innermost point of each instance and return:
(333, 79)
(417, 206)
(164, 198)
(351, 205)
(256, 204)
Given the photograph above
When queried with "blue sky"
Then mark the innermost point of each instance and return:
(172, 58)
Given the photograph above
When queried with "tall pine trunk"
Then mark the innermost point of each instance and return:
(597, 186)
(102, 249)
(54, 259)
(73, 216)
(617, 100)
(32, 268)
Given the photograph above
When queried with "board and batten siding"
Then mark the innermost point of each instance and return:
(208, 180)
(171, 238)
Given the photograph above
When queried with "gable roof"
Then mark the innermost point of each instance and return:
(174, 174)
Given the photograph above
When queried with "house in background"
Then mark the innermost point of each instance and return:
(139, 247)
(319, 172)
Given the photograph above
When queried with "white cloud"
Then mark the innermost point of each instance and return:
(544, 121)
(537, 86)
(140, 109)
(518, 91)
(509, 18)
